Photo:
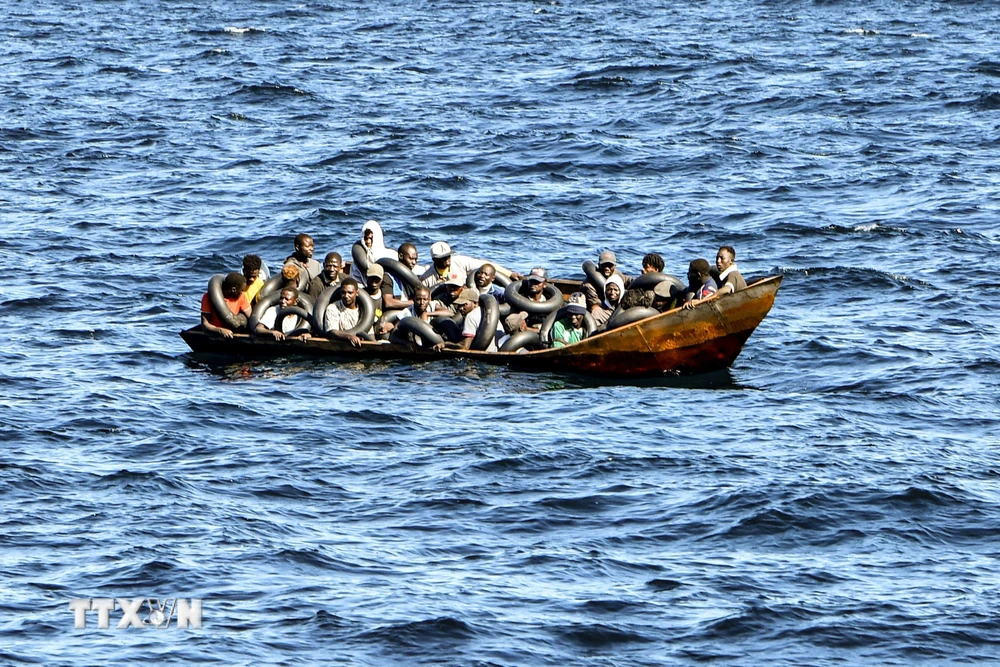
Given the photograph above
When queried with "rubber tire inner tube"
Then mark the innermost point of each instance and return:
(420, 330)
(331, 295)
(648, 281)
(234, 321)
(328, 295)
(545, 331)
(274, 282)
(554, 299)
(438, 291)
(486, 332)
(360, 256)
(595, 277)
(528, 339)
(305, 305)
(294, 310)
(621, 318)
(401, 274)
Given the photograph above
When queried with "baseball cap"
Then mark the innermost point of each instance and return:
(607, 257)
(467, 295)
(375, 270)
(537, 275)
(454, 280)
(663, 289)
(440, 249)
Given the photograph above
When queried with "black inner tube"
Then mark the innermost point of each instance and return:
(294, 310)
(331, 295)
(486, 332)
(410, 330)
(275, 282)
(359, 253)
(234, 321)
(528, 339)
(620, 317)
(553, 300)
(595, 277)
(408, 281)
(648, 281)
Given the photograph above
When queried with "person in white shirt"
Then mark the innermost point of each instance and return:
(265, 326)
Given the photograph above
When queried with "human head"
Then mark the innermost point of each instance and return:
(441, 256)
(349, 292)
(606, 263)
(652, 263)
(698, 271)
(408, 255)
(368, 236)
(453, 287)
(332, 264)
(251, 267)
(288, 297)
(576, 309)
(725, 257)
(613, 290)
(304, 245)
(535, 280)
(421, 299)
(485, 275)
(466, 300)
(374, 277)
(233, 284)
(290, 275)
(662, 293)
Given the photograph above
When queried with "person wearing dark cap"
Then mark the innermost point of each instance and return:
(448, 265)
(331, 275)
(607, 266)
(533, 288)
(236, 300)
(569, 329)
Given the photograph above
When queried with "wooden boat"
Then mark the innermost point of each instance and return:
(700, 340)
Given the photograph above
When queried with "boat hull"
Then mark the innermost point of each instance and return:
(700, 340)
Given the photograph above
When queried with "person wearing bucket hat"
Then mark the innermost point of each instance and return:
(447, 265)
(569, 329)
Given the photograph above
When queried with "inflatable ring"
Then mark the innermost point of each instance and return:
(545, 332)
(234, 321)
(274, 283)
(487, 329)
(324, 299)
(299, 311)
(648, 281)
(528, 339)
(360, 256)
(620, 317)
(438, 291)
(332, 294)
(518, 303)
(419, 329)
(595, 277)
(305, 305)
(401, 274)
(504, 310)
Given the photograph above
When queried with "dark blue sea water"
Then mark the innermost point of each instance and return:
(830, 500)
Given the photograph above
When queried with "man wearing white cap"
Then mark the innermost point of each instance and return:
(449, 266)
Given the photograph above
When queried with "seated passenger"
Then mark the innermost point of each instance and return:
(700, 287)
(373, 244)
(265, 326)
(381, 294)
(330, 276)
(344, 314)
(448, 265)
(236, 300)
(303, 257)
(652, 263)
(289, 277)
(569, 329)
(408, 257)
(666, 297)
(613, 290)
(483, 282)
(607, 266)
(251, 271)
(729, 279)
(422, 307)
(533, 288)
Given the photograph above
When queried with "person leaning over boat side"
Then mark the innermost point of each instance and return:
(265, 326)
(236, 300)
(447, 265)
(344, 314)
(607, 266)
(613, 290)
(251, 272)
(730, 280)
(330, 276)
(533, 288)
(303, 257)
(700, 287)
(569, 329)
(422, 307)
(484, 283)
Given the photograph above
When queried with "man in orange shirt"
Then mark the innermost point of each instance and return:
(236, 300)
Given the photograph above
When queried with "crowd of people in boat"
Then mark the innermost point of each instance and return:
(448, 302)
